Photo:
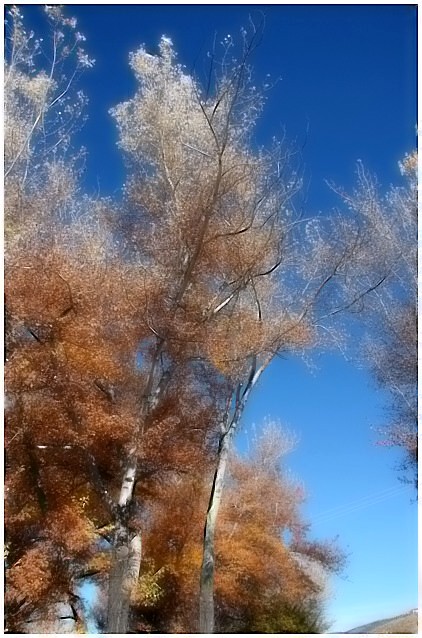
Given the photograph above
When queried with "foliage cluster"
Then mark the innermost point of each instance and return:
(134, 334)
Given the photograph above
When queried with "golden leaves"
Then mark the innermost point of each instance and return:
(409, 164)
(149, 589)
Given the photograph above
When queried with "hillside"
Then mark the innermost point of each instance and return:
(404, 624)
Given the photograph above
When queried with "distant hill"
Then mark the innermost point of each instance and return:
(404, 624)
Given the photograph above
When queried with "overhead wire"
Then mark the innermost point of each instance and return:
(360, 503)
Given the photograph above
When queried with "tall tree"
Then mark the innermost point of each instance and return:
(239, 275)
(136, 333)
(42, 108)
(205, 218)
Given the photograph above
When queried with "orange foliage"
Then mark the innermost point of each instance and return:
(127, 331)
(253, 562)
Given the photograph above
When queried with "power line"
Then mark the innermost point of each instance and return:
(358, 504)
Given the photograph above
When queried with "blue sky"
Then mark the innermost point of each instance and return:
(348, 77)
(352, 489)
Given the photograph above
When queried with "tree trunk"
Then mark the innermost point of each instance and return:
(206, 596)
(126, 560)
(206, 588)
(123, 578)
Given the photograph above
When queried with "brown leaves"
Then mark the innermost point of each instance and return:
(127, 328)
(36, 294)
(68, 526)
(31, 577)
(253, 562)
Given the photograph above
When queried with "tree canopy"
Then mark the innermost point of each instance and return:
(135, 332)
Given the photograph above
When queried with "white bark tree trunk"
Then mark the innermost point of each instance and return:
(126, 560)
(123, 578)
(206, 595)
(206, 604)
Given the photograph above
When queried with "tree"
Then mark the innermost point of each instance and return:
(265, 562)
(395, 368)
(391, 311)
(136, 332)
(207, 248)
(242, 276)
(258, 570)
(41, 110)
